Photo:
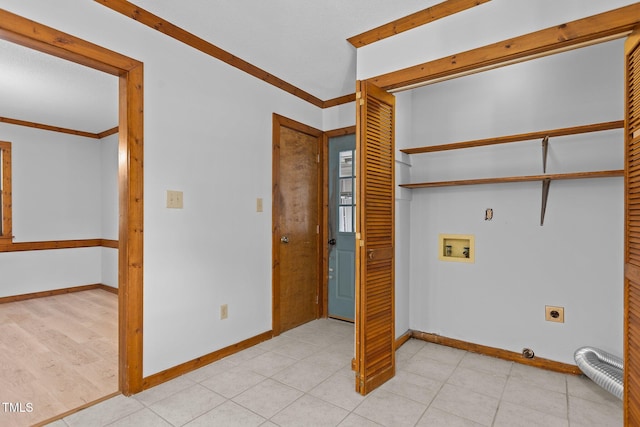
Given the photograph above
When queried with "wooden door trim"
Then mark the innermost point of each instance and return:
(33, 35)
(324, 272)
(278, 122)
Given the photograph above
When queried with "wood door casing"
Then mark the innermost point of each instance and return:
(375, 237)
(632, 232)
(296, 217)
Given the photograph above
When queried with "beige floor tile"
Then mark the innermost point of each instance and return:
(429, 368)
(268, 364)
(330, 360)
(268, 397)
(409, 349)
(414, 387)
(436, 417)
(523, 393)
(226, 415)
(389, 409)
(480, 382)
(143, 418)
(231, 383)
(187, 404)
(303, 375)
(244, 355)
(312, 336)
(339, 389)
(210, 370)
(297, 349)
(443, 354)
(434, 386)
(547, 380)
(466, 404)
(491, 365)
(512, 415)
(164, 390)
(354, 420)
(584, 388)
(588, 413)
(310, 411)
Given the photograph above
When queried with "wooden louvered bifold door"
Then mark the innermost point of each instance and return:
(375, 330)
(632, 234)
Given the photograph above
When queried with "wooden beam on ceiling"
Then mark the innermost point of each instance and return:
(594, 29)
(430, 14)
(157, 23)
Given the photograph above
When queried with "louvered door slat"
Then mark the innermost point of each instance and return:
(375, 356)
(632, 233)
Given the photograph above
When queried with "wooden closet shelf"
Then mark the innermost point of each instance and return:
(619, 124)
(572, 175)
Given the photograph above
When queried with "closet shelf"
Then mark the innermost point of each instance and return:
(507, 179)
(619, 124)
(545, 177)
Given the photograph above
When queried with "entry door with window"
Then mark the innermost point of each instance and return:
(342, 208)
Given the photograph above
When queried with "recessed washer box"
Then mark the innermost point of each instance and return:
(456, 247)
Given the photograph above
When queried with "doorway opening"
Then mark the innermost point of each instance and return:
(30, 34)
(341, 227)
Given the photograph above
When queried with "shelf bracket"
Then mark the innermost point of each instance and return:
(545, 150)
(545, 194)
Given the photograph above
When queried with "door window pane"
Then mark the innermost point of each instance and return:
(346, 183)
(346, 219)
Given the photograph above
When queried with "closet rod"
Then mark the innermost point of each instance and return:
(618, 124)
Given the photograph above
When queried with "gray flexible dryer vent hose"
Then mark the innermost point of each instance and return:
(603, 368)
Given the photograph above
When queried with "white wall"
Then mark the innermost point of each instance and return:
(575, 259)
(55, 196)
(208, 134)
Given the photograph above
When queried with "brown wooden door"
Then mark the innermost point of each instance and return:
(296, 223)
(632, 233)
(375, 330)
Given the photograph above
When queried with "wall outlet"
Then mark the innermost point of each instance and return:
(224, 311)
(554, 314)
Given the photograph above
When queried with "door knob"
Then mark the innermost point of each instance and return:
(284, 239)
(332, 242)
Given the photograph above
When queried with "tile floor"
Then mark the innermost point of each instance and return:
(303, 378)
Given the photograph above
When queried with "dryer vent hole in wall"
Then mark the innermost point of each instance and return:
(527, 353)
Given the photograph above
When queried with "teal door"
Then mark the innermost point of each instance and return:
(342, 227)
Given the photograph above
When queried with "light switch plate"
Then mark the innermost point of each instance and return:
(174, 199)
(259, 204)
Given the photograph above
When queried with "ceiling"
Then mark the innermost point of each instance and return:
(300, 41)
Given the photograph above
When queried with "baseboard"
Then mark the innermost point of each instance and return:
(512, 356)
(176, 371)
(23, 297)
(403, 339)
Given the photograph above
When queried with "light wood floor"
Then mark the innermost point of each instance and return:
(57, 353)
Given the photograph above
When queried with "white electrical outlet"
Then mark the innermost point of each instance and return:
(224, 311)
